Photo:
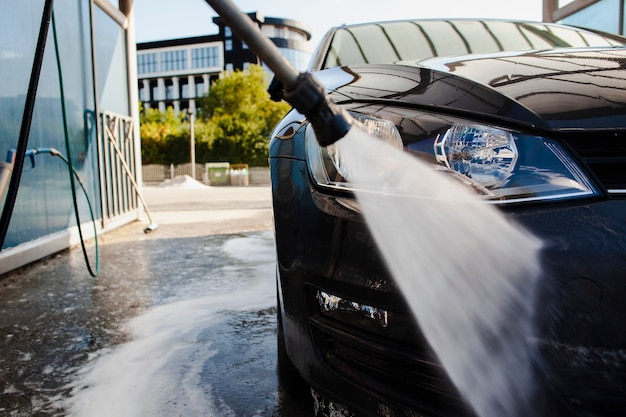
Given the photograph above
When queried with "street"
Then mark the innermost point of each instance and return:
(180, 321)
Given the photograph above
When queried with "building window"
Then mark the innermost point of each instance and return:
(230, 67)
(228, 45)
(173, 60)
(227, 32)
(204, 57)
(299, 59)
(154, 87)
(144, 93)
(170, 91)
(183, 86)
(244, 45)
(147, 63)
(199, 81)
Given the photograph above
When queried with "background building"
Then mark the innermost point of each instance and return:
(85, 106)
(172, 73)
(606, 15)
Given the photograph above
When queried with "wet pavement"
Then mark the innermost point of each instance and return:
(179, 321)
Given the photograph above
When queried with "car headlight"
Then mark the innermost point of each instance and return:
(501, 165)
(484, 154)
(329, 165)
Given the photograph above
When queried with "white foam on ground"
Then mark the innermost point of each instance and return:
(183, 182)
(158, 372)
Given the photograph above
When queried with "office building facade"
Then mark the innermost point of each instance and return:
(174, 72)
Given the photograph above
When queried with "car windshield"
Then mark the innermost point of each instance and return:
(392, 42)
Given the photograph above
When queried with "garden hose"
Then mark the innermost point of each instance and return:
(72, 172)
(52, 151)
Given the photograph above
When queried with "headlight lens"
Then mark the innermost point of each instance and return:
(499, 164)
(484, 154)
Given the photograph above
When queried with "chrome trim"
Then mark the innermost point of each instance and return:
(331, 303)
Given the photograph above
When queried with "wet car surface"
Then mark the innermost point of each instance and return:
(533, 118)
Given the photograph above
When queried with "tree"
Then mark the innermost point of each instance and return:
(159, 131)
(234, 124)
(242, 115)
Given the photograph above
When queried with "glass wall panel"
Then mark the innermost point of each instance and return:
(603, 15)
(44, 202)
(19, 25)
(111, 64)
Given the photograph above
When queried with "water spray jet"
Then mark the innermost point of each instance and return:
(462, 247)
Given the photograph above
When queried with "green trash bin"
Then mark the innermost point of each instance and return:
(218, 173)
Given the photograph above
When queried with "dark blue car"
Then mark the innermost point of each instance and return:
(557, 97)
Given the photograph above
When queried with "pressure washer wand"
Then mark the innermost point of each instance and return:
(300, 90)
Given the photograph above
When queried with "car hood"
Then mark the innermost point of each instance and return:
(567, 89)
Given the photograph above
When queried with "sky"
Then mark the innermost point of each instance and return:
(169, 19)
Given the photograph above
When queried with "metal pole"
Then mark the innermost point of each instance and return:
(192, 141)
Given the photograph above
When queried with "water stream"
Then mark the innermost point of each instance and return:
(467, 272)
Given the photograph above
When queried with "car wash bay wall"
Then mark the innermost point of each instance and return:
(95, 72)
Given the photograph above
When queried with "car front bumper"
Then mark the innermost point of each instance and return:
(385, 367)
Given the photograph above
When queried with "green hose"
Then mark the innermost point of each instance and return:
(72, 172)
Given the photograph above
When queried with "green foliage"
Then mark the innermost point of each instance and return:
(159, 131)
(234, 124)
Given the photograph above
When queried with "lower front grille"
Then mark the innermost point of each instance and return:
(404, 374)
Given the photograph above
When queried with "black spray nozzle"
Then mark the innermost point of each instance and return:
(308, 96)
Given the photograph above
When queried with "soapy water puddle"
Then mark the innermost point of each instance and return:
(467, 273)
(210, 354)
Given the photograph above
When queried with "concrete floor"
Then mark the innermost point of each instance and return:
(53, 314)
